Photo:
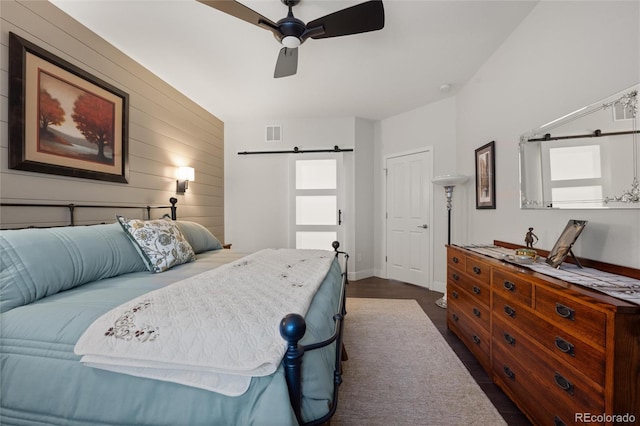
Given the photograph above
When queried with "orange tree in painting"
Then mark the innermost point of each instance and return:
(51, 113)
(94, 118)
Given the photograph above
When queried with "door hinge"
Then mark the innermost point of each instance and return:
(385, 259)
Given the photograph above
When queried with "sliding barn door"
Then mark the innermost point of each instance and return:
(316, 204)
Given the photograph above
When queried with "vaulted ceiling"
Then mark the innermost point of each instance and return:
(226, 65)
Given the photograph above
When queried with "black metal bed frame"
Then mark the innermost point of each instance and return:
(292, 329)
(72, 208)
(292, 326)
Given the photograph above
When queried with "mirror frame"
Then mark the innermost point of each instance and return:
(628, 100)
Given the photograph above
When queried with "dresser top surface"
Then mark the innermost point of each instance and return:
(618, 291)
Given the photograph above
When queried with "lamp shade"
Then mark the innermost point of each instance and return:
(185, 173)
(449, 180)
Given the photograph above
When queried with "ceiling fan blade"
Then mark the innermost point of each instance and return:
(361, 18)
(240, 11)
(287, 63)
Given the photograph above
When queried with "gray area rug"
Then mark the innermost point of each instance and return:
(402, 372)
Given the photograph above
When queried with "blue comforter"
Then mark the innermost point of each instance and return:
(43, 382)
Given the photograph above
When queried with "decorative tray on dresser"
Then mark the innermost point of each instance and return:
(564, 353)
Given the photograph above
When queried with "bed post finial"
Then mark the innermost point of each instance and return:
(174, 214)
(336, 246)
(292, 329)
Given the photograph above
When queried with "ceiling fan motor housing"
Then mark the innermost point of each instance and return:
(291, 28)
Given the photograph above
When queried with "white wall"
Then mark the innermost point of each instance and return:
(563, 56)
(363, 190)
(257, 186)
(166, 129)
(432, 126)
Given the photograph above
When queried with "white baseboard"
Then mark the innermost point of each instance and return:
(360, 275)
(439, 286)
(380, 273)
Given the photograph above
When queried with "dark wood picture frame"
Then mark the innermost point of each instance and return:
(63, 120)
(486, 176)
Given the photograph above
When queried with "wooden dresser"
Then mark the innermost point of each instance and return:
(563, 353)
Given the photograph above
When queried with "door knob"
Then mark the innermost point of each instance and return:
(425, 226)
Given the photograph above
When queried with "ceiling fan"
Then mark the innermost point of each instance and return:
(292, 32)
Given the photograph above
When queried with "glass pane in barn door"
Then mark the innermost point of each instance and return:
(316, 214)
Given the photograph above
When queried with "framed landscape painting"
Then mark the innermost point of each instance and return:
(486, 176)
(63, 120)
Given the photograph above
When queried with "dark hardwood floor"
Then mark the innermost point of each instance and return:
(390, 289)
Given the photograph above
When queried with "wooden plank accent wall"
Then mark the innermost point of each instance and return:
(166, 129)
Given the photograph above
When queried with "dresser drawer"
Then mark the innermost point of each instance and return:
(478, 290)
(475, 337)
(478, 270)
(576, 353)
(469, 304)
(571, 315)
(564, 385)
(536, 399)
(456, 259)
(579, 358)
(511, 286)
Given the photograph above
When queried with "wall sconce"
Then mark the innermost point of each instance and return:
(184, 175)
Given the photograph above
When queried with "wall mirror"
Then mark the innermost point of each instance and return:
(587, 159)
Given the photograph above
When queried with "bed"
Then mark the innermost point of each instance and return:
(56, 282)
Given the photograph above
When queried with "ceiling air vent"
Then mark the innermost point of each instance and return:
(273, 133)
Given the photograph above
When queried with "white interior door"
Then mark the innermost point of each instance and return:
(316, 219)
(408, 218)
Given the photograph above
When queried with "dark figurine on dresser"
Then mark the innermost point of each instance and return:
(530, 239)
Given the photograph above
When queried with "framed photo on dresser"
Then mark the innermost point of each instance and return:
(565, 242)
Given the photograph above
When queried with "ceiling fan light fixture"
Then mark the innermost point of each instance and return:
(292, 32)
(290, 42)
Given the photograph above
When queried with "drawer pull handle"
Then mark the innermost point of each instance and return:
(455, 277)
(564, 346)
(455, 259)
(509, 311)
(508, 285)
(565, 312)
(454, 294)
(563, 383)
(476, 289)
(510, 374)
(455, 317)
(476, 312)
(557, 421)
(477, 270)
(509, 339)
(476, 339)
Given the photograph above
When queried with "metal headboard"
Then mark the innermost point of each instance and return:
(72, 208)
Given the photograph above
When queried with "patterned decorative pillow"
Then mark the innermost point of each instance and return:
(159, 242)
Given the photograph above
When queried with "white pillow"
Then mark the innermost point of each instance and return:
(159, 242)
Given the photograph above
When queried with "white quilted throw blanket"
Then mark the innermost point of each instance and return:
(214, 330)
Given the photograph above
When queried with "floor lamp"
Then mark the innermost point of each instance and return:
(448, 182)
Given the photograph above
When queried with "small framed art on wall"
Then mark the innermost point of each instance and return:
(486, 176)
